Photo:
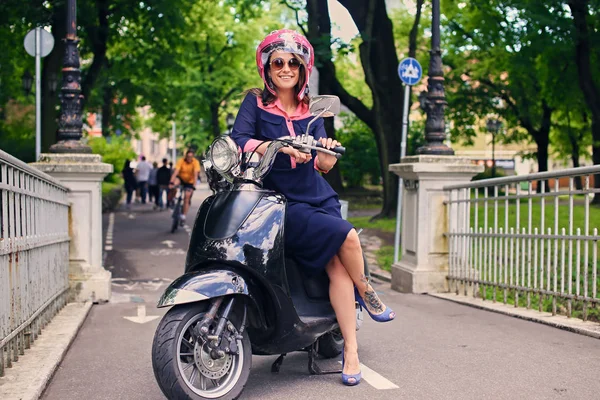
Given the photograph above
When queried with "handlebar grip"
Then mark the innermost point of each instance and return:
(338, 149)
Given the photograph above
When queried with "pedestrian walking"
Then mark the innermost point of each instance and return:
(163, 176)
(129, 181)
(143, 174)
(153, 185)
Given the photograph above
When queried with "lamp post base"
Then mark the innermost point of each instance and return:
(70, 146)
(437, 149)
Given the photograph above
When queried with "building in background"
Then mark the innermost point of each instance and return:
(147, 143)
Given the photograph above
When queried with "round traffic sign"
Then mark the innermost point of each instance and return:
(410, 71)
(46, 42)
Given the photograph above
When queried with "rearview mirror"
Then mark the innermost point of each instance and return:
(324, 106)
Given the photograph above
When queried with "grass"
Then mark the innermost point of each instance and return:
(382, 224)
(538, 269)
(385, 254)
(385, 257)
(536, 216)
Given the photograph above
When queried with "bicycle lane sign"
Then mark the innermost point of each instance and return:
(410, 71)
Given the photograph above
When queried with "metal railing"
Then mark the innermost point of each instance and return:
(34, 255)
(531, 240)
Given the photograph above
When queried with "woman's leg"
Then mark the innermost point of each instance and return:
(129, 194)
(341, 294)
(351, 257)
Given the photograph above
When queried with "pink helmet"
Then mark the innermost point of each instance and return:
(289, 41)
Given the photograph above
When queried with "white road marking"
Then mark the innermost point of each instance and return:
(109, 232)
(168, 243)
(167, 252)
(141, 317)
(374, 379)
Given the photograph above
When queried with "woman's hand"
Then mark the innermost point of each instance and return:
(299, 156)
(326, 161)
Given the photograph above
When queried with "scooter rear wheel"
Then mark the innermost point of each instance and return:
(184, 370)
(331, 344)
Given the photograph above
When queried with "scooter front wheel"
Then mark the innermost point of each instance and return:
(184, 368)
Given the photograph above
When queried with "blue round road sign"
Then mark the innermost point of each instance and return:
(410, 71)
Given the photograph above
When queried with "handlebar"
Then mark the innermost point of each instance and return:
(302, 142)
(341, 150)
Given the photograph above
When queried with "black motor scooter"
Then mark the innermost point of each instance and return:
(240, 295)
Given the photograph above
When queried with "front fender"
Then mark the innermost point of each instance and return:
(203, 285)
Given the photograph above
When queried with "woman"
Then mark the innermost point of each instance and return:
(130, 182)
(316, 235)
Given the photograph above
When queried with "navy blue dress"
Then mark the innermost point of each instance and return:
(314, 228)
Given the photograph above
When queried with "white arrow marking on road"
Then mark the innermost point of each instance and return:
(374, 379)
(169, 243)
(141, 317)
(131, 216)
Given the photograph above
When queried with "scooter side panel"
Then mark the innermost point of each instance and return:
(257, 245)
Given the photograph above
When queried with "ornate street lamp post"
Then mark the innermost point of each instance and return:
(493, 126)
(435, 102)
(69, 123)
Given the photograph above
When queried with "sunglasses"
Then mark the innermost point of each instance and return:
(278, 64)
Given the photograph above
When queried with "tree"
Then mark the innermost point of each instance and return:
(505, 60)
(570, 136)
(585, 20)
(380, 62)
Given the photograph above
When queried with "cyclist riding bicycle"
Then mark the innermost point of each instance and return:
(187, 170)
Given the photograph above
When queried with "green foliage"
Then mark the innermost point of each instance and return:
(385, 257)
(114, 151)
(17, 131)
(361, 159)
(571, 133)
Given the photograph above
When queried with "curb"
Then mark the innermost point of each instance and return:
(574, 325)
(28, 377)
(380, 276)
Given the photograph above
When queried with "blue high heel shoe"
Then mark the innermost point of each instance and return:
(386, 316)
(346, 378)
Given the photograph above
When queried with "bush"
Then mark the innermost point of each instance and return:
(111, 195)
(361, 159)
(114, 151)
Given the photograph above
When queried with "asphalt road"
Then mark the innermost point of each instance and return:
(434, 350)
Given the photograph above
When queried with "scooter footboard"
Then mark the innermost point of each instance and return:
(203, 285)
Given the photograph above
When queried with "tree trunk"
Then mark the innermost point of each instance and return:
(319, 33)
(380, 63)
(53, 64)
(214, 119)
(334, 176)
(591, 93)
(107, 102)
(575, 149)
(99, 38)
(542, 140)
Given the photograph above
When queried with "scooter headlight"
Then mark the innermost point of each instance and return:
(224, 154)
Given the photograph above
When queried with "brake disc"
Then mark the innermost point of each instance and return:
(209, 367)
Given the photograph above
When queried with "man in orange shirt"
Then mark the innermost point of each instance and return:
(187, 171)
